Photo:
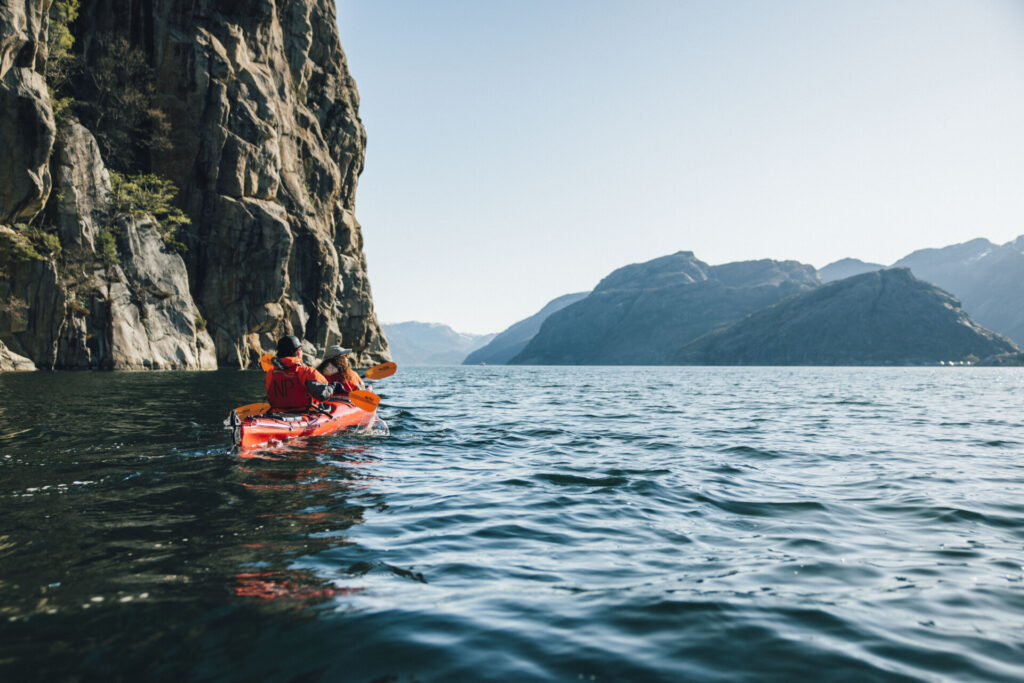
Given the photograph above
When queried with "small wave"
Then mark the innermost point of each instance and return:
(577, 480)
(364, 568)
(516, 482)
(620, 472)
(998, 443)
(750, 451)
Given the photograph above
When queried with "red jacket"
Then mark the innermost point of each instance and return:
(295, 386)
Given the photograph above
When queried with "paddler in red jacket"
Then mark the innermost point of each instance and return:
(292, 385)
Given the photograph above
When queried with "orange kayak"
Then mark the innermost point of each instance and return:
(278, 426)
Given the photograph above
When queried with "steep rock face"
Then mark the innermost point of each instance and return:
(27, 127)
(510, 342)
(138, 315)
(80, 313)
(642, 313)
(33, 306)
(266, 144)
(12, 362)
(882, 317)
(988, 279)
(267, 147)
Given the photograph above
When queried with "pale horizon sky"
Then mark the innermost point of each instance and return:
(518, 151)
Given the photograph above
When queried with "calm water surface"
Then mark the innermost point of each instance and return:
(520, 524)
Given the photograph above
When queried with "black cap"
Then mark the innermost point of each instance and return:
(287, 346)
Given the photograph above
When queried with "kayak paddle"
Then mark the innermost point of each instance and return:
(381, 371)
(364, 400)
(251, 409)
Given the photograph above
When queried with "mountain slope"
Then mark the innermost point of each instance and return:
(881, 317)
(508, 343)
(642, 313)
(987, 278)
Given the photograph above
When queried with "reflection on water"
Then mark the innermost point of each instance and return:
(520, 524)
(302, 490)
(133, 534)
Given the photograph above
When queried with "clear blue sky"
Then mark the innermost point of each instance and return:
(523, 149)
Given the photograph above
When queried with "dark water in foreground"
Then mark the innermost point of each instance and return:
(520, 524)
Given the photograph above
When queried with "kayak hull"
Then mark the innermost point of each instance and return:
(279, 426)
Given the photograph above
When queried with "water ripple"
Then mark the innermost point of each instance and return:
(522, 523)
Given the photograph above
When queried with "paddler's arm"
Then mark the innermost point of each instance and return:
(316, 384)
(320, 392)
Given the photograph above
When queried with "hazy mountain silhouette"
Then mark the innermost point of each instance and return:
(514, 339)
(416, 343)
(847, 267)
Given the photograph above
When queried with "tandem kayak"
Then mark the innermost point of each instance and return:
(330, 417)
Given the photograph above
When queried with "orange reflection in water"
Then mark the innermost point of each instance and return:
(292, 584)
(288, 483)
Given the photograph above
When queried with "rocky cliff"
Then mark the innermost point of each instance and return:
(642, 313)
(883, 317)
(248, 108)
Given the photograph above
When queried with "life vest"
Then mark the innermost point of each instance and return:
(286, 386)
(349, 382)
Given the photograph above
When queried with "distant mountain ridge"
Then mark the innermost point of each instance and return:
(419, 343)
(508, 343)
(642, 313)
(847, 267)
(875, 318)
(987, 278)
(648, 313)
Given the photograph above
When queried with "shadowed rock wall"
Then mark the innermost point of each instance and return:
(266, 146)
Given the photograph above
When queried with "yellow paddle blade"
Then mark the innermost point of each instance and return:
(364, 400)
(267, 362)
(381, 371)
(251, 409)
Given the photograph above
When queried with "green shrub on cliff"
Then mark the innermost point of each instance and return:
(145, 193)
(119, 104)
(106, 248)
(15, 249)
(24, 243)
(60, 59)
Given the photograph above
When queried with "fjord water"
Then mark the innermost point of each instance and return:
(520, 524)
